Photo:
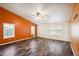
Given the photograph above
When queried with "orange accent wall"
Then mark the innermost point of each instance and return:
(75, 41)
(75, 11)
(22, 26)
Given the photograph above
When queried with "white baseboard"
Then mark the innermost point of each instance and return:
(53, 38)
(16, 41)
(73, 50)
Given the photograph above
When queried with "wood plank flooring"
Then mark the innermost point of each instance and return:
(37, 47)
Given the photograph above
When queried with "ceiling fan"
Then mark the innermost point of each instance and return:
(40, 16)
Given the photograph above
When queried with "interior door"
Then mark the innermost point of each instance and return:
(33, 30)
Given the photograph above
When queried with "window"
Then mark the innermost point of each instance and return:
(8, 30)
(56, 30)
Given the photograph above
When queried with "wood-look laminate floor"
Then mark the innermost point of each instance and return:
(37, 47)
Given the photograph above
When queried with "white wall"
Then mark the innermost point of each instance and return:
(58, 15)
(44, 31)
(75, 30)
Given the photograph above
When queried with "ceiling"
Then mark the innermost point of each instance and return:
(55, 12)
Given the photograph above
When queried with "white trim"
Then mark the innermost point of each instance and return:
(73, 50)
(55, 39)
(16, 41)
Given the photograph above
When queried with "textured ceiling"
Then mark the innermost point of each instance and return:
(56, 12)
